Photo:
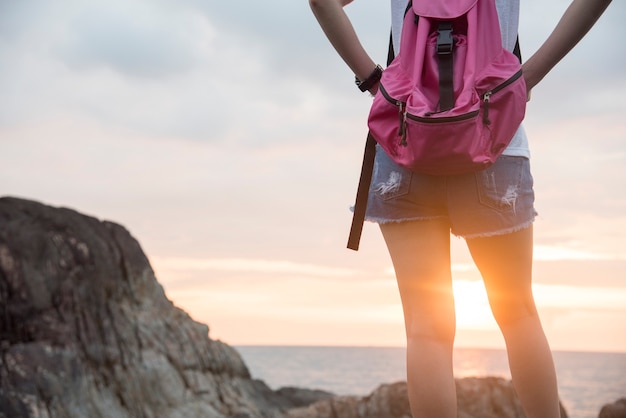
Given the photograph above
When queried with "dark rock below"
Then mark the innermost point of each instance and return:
(87, 331)
(616, 409)
(488, 397)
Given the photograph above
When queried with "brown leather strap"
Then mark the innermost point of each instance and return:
(360, 205)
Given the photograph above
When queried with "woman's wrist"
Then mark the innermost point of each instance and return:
(532, 77)
(371, 81)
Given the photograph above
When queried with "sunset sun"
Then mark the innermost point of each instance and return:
(472, 306)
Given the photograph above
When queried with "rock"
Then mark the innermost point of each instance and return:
(87, 331)
(488, 397)
(297, 397)
(388, 401)
(616, 409)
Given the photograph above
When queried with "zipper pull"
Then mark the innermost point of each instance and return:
(403, 142)
(486, 98)
(400, 116)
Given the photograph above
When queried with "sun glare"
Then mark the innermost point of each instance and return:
(472, 306)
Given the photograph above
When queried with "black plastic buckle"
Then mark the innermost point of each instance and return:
(445, 41)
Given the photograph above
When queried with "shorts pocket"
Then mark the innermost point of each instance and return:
(500, 185)
(389, 180)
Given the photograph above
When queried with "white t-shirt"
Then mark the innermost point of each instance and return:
(508, 13)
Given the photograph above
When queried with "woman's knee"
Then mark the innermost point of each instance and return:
(437, 326)
(507, 311)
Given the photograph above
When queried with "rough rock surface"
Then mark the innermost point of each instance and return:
(488, 397)
(87, 331)
(616, 409)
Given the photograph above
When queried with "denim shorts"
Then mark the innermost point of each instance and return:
(494, 201)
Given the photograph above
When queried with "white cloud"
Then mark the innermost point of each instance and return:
(135, 38)
(241, 265)
(580, 298)
(553, 253)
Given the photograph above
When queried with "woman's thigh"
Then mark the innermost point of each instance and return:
(505, 262)
(420, 252)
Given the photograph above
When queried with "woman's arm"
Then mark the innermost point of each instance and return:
(580, 16)
(340, 32)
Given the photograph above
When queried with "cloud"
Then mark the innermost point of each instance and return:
(288, 36)
(574, 297)
(592, 59)
(240, 265)
(165, 71)
(19, 19)
(554, 253)
(136, 38)
(589, 81)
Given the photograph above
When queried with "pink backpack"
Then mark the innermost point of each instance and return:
(452, 99)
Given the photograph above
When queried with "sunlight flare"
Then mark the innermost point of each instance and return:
(472, 305)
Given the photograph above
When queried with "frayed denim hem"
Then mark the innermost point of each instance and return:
(382, 221)
(516, 228)
(504, 231)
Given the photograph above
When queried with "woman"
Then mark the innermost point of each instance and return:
(419, 213)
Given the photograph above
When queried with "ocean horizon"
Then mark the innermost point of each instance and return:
(587, 380)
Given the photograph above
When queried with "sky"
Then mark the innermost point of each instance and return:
(227, 138)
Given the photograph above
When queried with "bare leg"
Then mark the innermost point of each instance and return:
(420, 252)
(505, 263)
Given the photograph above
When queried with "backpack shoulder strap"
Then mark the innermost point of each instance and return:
(516, 51)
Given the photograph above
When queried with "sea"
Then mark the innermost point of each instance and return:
(587, 380)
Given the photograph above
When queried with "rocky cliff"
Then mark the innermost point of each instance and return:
(86, 331)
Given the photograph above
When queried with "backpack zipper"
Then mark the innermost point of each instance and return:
(403, 114)
(445, 119)
(486, 97)
(507, 82)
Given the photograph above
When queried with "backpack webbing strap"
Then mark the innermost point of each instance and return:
(362, 193)
(390, 53)
(516, 50)
(445, 45)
